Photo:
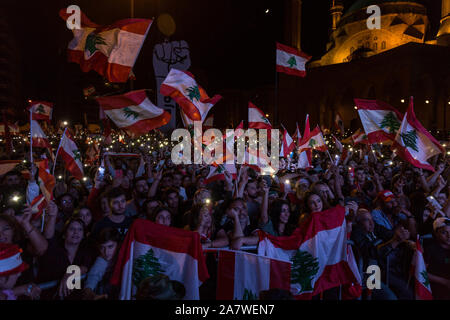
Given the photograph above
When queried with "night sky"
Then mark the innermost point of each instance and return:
(232, 43)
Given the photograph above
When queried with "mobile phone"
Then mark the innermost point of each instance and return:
(434, 202)
(101, 172)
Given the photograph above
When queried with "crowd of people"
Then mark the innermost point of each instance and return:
(389, 202)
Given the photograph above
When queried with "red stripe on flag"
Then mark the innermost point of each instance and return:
(144, 126)
(225, 275)
(293, 72)
(292, 51)
(71, 165)
(122, 101)
(280, 275)
(403, 153)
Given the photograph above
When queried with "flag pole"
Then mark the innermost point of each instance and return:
(275, 116)
(31, 136)
(56, 157)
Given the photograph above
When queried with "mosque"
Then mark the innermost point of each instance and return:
(401, 59)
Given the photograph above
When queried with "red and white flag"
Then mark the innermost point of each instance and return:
(37, 206)
(242, 275)
(133, 112)
(208, 123)
(38, 137)
(314, 141)
(380, 120)
(109, 50)
(151, 249)
(291, 61)
(359, 137)
(414, 143)
(217, 173)
(192, 98)
(287, 145)
(71, 155)
(317, 250)
(257, 119)
(297, 135)
(422, 282)
(305, 160)
(41, 110)
(46, 180)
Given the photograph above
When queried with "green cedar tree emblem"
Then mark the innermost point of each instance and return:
(410, 139)
(249, 295)
(77, 155)
(193, 93)
(312, 143)
(130, 113)
(40, 109)
(390, 121)
(92, 40)
(304, 268)
(145, 266)
(292, 62)
(426, 281)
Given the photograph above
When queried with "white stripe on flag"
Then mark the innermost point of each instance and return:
(126, 49)
(252, 273)
(283, 58)
(146, 110)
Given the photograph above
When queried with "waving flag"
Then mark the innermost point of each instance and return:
(422, 282)
(359, 137)
(297, 135)
(257, 119)
(184, 90)
(305, 160)
(41, 110)
(70, 154)
(287, 146)
(218, 172)
(133, 112)
(380, 120)
(317, 250)
(109, 50)
(315, 140)
(151, 249)
(414, 143)
(46, 180)
(38, 137)
(37, 206)
(242, 275)
(291, 61)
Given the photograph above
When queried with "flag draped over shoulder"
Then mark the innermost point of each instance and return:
(192, 98)
(71, 155)
(414, 143)
(380, 120)
(242, 275)
(317, 250)
(109, 50)
(133, 112)
(291, 61)
(151, 249)
(41, 110)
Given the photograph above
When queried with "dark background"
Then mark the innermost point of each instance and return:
(232, 44)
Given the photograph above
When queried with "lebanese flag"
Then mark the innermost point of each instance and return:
(339, 123)
(257, 119)
(305, 160)
(297, 135)
(46, 180)
(133, 112)
(259, 162)
(38, 137)
(307, 131)
(109, 50)
(41, 110)
(314, 141)
(338, 144)
(37, 206)
(71, 155)
(217, 173)
(380, 120)
(208, 123)
(184, 90)
(318, 251)
(287, 146)
(242, 275)
(422, 283)
(151, 249)
(291, 61)
(352, 290)
(414, 143)
(359, 137)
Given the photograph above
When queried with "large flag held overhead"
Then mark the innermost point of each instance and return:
(257, 119)
(422, 282)
(414, 143)
(133, 112)
(380, 120)
(41, 110)
(317, 250)
(151, 249)
(71, 155)
(38, 137)
(192, 98)
(291, 61)
(109, 50)
(315, 141)
(242, 275)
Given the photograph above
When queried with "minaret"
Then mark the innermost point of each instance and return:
(336, 13)
(443, 36)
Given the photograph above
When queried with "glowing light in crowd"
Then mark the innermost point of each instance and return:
(427, 101)
(403, 100)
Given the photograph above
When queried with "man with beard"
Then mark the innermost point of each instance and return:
(140, 194)
(117, 219)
